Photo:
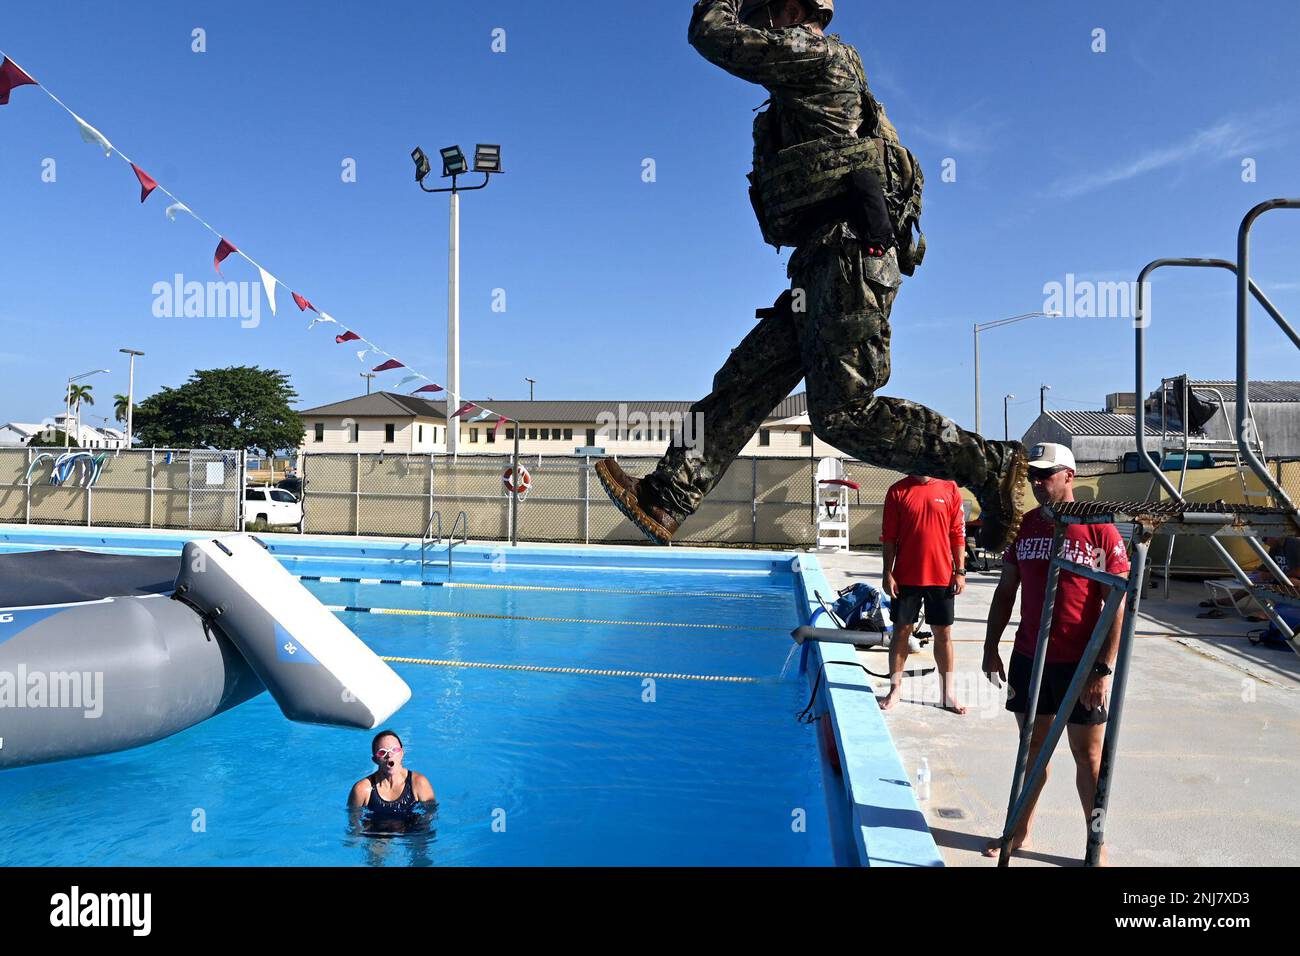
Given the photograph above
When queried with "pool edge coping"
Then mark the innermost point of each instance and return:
(889, 827)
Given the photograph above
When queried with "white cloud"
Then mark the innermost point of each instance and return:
(1230, 136)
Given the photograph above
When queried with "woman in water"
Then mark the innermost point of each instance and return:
(392, 794)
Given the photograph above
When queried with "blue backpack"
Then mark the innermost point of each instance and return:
(861, 608)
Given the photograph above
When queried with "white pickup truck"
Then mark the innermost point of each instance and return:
(272, 507)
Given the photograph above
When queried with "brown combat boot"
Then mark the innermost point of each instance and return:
(1001, 497)
(631, 497)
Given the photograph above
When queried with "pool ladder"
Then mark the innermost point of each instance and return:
(427, 539)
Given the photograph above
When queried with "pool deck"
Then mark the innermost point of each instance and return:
(1206, 771)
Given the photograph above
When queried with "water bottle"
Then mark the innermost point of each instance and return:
(923, 780)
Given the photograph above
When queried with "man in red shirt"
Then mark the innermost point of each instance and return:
(924, 539)
(1077, 610)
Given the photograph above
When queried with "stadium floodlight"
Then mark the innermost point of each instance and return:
(453, 161)
(422, 167)
(487, 158)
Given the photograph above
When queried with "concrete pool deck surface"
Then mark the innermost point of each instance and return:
(1206, 770)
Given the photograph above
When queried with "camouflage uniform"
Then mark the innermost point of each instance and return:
(839, 343)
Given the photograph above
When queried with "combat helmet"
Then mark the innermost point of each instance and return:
(825, 9)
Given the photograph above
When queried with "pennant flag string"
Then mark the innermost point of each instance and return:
(224, 248)
(13, 76)
(147, 184)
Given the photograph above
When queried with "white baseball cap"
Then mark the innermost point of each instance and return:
(1051, 455)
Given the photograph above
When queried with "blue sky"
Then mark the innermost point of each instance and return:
(1067, 162)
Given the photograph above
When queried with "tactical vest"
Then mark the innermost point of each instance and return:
(797, 189)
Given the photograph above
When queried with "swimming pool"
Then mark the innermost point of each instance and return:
(571, 706)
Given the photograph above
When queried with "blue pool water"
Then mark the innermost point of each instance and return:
(530, 768)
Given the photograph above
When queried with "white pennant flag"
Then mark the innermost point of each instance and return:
(361, 356)
(268, 283)
(409, 378)
(176, 207)
(93, 136)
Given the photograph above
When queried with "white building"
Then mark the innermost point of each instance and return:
(17, 434)
(395, 423)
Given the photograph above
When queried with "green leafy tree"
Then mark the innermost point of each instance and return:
(51, 438)
(240, 407)
(120, 404)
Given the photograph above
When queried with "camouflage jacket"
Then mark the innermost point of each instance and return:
(817, 83)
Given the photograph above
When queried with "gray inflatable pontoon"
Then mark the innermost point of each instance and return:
(101, 652)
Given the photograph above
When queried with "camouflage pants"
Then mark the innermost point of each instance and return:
(840, 345)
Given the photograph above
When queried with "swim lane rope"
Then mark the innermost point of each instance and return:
(421, 612)
(598, 672)
(541, 587)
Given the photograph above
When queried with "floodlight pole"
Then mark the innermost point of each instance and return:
(453, 306)
(130, 394)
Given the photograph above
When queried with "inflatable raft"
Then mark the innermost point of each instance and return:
(102, 652)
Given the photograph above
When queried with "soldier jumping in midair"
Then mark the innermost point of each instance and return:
(832, 181)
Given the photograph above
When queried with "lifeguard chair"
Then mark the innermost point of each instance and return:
(833, 504)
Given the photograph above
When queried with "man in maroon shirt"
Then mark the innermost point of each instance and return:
(1076, 612)
(924, 538)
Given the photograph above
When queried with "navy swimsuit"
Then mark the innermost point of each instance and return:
(400, 809)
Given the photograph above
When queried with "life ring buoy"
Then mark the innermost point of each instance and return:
(525, 481)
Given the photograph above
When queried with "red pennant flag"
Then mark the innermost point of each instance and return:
(427, 388)
(463, 409)
(500, 421)
(304, 305)
(11, 76)
(390, 364)
(347, 336)
(147, 183)
(224, 248)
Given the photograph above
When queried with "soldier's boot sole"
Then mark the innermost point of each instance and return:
(624, 492)
(1002, 501)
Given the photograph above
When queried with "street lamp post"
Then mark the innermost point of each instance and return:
(1006, 417)
(67, 406)
(130, 394)
(996, 323)
(1042, 398)
(531, 382)
(487, 160)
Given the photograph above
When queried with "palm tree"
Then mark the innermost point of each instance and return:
(120, 405)
(76, 395)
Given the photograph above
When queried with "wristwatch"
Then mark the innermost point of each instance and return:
(1101, 669)
(961, 571)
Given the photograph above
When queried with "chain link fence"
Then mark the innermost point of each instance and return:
(760, 501)
(135, 488)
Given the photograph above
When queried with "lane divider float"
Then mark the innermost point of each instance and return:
(406, 582)
(597, 672)
(422, 612)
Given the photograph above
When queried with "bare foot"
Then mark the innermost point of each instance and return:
(993, 848)
(953, 707)
(890, 699)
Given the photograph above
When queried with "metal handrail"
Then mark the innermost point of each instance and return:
(425, 538)
(1245, 286)
(462, 519)
(1140, 323)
